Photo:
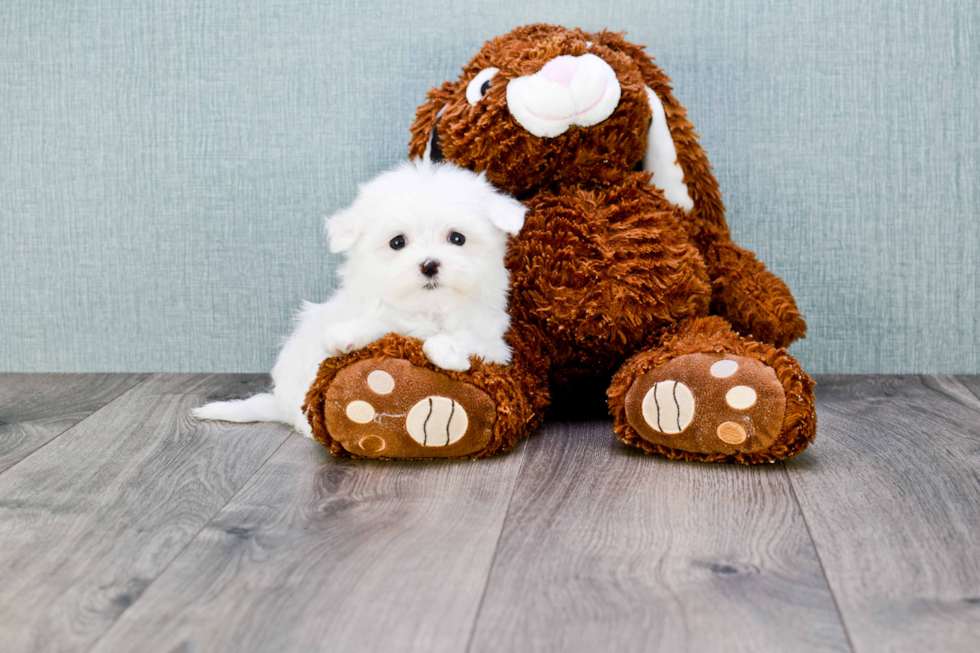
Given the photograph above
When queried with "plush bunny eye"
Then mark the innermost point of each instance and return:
(457, 238)
(397, 242)
(480, 85)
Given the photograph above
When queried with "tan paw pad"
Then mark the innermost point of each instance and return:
(731, 433)
(437, 422)
(668, 406)
(360, 411)
(372, 444)
(741, 397)
(724, 368)
(380, 382)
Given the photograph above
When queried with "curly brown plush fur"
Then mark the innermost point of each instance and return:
(607, 274)
(487, 138)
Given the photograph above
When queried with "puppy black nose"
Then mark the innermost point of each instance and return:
(430, 268)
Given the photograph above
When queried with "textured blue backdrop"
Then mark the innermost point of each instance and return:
(164, 165)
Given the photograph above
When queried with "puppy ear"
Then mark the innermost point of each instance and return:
(342, 230)
(504, 212)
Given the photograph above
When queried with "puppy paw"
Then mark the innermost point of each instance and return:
(447, 352)
(342, 339)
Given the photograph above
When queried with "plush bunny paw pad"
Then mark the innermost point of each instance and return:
(708, 403)
(390, 408)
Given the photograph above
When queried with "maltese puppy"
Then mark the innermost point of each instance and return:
(425, 247)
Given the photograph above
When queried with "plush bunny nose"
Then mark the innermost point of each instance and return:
(560, 70)
(430, 268)
(568, 91)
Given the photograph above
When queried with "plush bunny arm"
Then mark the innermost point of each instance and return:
(753, 299)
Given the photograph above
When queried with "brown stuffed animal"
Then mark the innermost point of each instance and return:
(624, 267)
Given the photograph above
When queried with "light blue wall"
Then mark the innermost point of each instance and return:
(164, 165)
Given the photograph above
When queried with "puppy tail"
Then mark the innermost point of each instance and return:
(260, 408)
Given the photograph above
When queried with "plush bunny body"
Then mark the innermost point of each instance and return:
(624, 271)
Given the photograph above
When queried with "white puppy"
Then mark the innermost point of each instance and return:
(425, 248)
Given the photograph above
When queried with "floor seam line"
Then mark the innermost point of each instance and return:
(958, 377)
(81, 421)
(496, 547)
(816, 552)
(190, 541)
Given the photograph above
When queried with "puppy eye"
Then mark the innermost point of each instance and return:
(398, 242)
(480, 85)
(457, 238)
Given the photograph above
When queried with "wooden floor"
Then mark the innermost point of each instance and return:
(126, 525)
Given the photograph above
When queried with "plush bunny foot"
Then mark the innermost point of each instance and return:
(388, 401)
(390, 408)
(749, 404)
(708, 403)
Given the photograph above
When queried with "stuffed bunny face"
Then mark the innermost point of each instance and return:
(544, 104)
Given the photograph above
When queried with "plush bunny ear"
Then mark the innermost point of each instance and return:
(504, 212)
(661, 157)
(427, 117)
(433, 150)
(342, 230)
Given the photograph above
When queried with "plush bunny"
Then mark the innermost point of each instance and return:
(624, 270)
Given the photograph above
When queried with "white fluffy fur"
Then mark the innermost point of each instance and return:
(459, 313)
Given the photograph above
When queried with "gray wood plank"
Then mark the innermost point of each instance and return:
(891, 493)
(87, 522)
(35, 408)
(972, 383)
(608, 549)
(322, 554)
